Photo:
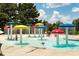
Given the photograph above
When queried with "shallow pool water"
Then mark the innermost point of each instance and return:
(46, 42)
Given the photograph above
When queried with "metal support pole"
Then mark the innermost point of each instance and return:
(57, 39)
(41, 34)
(20, 36)
(66, 35)
(8, 33)
(74, 31)
(29, 31)
(16, 36)
(11, 31)
(34, 32)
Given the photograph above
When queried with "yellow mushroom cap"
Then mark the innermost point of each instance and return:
(39, 24)
(20, 27)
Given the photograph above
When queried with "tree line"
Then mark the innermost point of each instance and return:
(26, 13)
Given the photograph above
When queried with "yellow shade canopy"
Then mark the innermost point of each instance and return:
(39, 24)
(20, 27)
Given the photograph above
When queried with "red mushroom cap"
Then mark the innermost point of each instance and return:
(57, 31)
(33, 26)
(6, 26)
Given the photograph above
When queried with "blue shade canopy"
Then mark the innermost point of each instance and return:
(11, 23)
(40, 26)
(29, 24)
(67, 25)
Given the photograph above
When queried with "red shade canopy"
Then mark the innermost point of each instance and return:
(33, 26)
(6, 26)
(57, 31)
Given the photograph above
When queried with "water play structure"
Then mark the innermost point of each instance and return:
(41, 29)
(8, 31)
(20, 27)
(39, 24)
(34, 28)
(67, 26)
(38, 40)
(29, 26)
(57, 32)
(11, 30)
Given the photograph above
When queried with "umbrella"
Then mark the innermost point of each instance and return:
(7, 27)
(57, 32)
(39, 24)
(20, 27)
(66, 26)
(41, 27)
(11, 24)
(34, 27)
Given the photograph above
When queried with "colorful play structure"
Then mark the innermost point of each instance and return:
(20, 27)
(67, 26)
(34, 28)
(57, 32)
(11, 24)
(8, 30)
(39, 26)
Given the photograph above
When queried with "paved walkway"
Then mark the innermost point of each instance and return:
(33, 51)
(12, 50)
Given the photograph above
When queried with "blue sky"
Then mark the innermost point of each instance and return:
(53, 12)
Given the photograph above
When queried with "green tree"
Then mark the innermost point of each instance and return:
(8, 8)
(76, 23)
(45, 22)
(3, 19)
(25, 12)
(53, 26)
(57, 24)
(50, 27)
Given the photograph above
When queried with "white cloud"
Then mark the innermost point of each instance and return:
(55, 17)
(56, 14)
(66, 19)
(42, 14)
(54, 5)
(75, 9)
(58, 17)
